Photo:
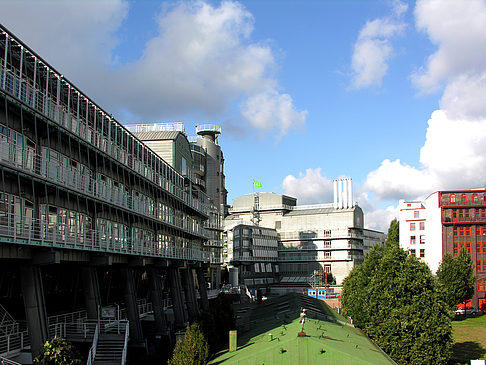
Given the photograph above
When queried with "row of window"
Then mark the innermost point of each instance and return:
(466, 213)
(481, 265)
(421, 226)
(413, 239)
(413, 252)
(465, 231)
(480, 247)
(475, 198)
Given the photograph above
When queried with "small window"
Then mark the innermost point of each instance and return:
(416, 214)
(412, 226)
(475, 198)
(482, 285)
(422, 239)
(422, 226)
(413, 240)
(463, 198)
(412, 252)
(453, 198)
(422, 252)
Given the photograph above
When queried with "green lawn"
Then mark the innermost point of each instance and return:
(469, 339)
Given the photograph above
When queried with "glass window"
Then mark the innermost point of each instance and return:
(422, 252)
(412, 226)
(482, 285)
(416, 214)
(422, 226)
(453, 198)
(412, 240)
(463, 198)
(422, 239)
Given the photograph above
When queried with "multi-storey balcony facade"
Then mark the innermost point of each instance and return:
(60, 151)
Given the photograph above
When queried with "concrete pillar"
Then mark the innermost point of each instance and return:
(202, 288)
(155, 282)
(35, 307)
(91, 288)
(190, 292)
(175, 292)
(136, 334)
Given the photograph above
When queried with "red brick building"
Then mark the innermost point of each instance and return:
(463, 217)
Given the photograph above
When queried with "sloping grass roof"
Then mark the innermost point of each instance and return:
(270, 329)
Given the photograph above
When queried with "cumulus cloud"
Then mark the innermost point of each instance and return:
(379, 219)
(309, 188)
(201, 59)
(457, 29)
(454, 152)
(373, 49)
(270, 110)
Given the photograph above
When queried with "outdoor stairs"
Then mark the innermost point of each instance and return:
(8, 325)
(110, 349)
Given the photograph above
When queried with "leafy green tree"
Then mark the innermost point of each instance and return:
(58, 351)
(393, 236)
(456, 277)
(193, 350)
(395, 300)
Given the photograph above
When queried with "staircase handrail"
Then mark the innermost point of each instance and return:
(125, 345)
(92, 350)
(5, 361)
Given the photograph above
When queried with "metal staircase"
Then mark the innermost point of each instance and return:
(109, 344)
(8, 324)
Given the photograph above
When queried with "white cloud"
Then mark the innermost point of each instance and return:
(271, 110)
(373, 49)
(201, 60)
(379, 219)
(458, 29)
(311, 188)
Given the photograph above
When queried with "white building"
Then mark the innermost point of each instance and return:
(421, 229)
(325, 237)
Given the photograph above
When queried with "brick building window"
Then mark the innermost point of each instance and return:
(422, 252)
(416, 214)
(482, 285)
(412, 226)
(422, 226)
(453, 198)
(467, 231)
(467, 213)
(480, 266)
(463, 198)
(413, 241)
(475, 198)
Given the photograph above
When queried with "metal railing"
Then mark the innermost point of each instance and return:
(5, 361)
(21, 88)
(125, 344)
(25, 159)
(92, 350)
(14, 342)
(38, 232)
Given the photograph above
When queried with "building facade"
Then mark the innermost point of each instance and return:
(255, 255)
(80, 195)
(325, 238)
(445, 222)
(200, 160)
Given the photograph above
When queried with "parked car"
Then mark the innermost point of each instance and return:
(469, 310)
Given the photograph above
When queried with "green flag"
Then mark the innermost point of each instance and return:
(257, 184)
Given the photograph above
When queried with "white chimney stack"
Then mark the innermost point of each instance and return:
(335, 194)
(350, 193)
(345, 194)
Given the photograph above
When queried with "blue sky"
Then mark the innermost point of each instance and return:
(388, 93)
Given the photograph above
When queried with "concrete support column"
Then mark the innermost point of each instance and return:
(202, 288)
(91, 288)
(175, 292)
(136, 334)
(155, 282)
(190, 292)
(35, 307)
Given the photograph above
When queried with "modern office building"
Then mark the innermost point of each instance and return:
(81, 196)
(255, 255)
(445, 222)
(325, 238)
(200, 160)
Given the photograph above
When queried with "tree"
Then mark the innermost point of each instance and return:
(393, 235)
(396, 301)
(456, 278)
(58, 351)
(193, 350)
